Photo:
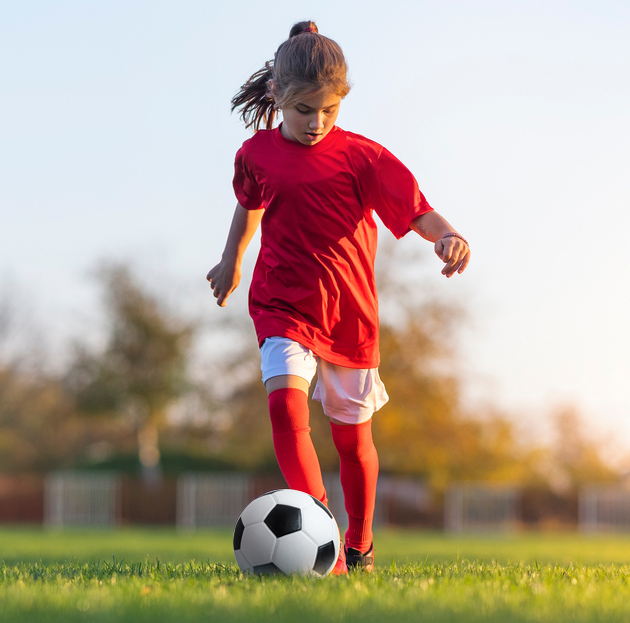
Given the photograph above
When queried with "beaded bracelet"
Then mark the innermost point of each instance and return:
(454, 234)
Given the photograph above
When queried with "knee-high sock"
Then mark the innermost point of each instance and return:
(292, 442)
(359, 474)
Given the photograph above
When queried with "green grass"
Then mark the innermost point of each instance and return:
(161, 575)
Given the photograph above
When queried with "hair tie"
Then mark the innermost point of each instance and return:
(309, 29)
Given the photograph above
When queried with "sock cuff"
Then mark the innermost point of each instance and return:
(353, 440)
(287, 393)
(357, 429)
(288, 410)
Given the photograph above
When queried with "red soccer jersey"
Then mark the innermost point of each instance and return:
(314, 277)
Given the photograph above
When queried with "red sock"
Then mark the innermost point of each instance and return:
(292, 442)
(359, 473)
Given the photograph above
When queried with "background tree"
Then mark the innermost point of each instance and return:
(143, 369)
(39, 427)
(143, 372)
(575, 458)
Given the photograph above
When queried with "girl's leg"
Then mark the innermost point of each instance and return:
(350, 396)
(289, 412)
(287, 369)
(359, 475)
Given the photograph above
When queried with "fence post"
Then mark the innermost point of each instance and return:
(81, 499)
(480, 507)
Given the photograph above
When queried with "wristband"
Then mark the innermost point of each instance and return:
(454, 234)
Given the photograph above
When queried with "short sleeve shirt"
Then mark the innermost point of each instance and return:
(314, 277)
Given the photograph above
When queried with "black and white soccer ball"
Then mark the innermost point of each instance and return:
(286, 531)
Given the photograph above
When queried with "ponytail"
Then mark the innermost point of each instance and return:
(258, 106)
(305, 62)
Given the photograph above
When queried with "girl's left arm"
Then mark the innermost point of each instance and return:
(453, 251)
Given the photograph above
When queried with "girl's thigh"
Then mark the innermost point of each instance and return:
(286, 363)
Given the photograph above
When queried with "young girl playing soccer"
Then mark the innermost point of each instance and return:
(313, 298)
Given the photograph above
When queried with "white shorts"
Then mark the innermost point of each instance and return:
(350, 395)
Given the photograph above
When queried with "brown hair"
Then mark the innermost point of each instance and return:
(306, 62)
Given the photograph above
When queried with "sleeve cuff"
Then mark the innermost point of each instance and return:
(248, 203)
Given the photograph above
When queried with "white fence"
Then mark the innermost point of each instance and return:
(202, 500)
(604, 509)
(212, 499)
(81, 499)
(218, 499)
(205, 500)
(481, 508)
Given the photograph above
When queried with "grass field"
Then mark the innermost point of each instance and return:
(162, 575)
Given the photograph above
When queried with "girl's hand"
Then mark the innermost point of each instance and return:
(455, 253)
(449, 247)
(224, 279)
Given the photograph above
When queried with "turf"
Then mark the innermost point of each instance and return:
(160, 575)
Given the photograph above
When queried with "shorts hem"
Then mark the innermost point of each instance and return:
(364, 415)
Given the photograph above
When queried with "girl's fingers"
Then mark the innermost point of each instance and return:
(451, 263)
(464, 263)
(447, 252)
(222, 298)
(439, 249)
(210, 274)
(457, 262)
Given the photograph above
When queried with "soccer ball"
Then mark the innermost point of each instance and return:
(286, 531)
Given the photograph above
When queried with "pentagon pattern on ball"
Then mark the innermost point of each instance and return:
(286, 531)
(238, 533)
(293, 498)
(285, 557)
(257, 509)
(317, 525)
(327, 511)
(283, 520)
(326, 556)
(258, 544)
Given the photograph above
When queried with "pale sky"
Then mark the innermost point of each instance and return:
(116, 141)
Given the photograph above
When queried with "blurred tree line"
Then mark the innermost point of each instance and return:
(136, 401)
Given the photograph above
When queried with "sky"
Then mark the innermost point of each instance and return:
(117, 142)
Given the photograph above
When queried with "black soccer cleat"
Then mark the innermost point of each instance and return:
(356, 560)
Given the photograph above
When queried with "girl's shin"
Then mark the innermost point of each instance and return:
(288, 409)
(359, 475)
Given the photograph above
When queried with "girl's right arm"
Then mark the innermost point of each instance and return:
(226, 275)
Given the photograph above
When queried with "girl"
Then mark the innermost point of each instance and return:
(313, 299)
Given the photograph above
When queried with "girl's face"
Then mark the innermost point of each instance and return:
(311, 118)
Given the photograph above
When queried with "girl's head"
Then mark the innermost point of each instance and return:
(306, 66)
